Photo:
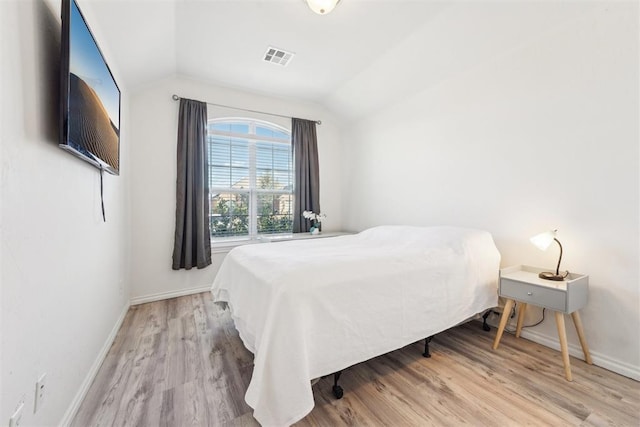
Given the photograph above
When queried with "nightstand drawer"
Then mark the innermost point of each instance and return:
(555, 299)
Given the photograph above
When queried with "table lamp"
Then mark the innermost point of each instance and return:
(542, 242)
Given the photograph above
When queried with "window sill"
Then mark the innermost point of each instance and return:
(271, 238)
(224, 246)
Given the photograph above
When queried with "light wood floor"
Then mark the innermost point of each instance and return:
(180, 362)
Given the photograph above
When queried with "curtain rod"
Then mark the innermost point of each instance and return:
(177, 98)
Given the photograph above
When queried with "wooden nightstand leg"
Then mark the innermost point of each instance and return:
(503, 322)
(583, 341)
(523, 308)
(562, 334)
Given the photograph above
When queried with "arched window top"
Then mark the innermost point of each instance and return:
(243, 127)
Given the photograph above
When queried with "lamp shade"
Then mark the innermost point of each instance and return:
(543, 240)
(322, 7)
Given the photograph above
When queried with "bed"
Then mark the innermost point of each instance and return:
(310, 308)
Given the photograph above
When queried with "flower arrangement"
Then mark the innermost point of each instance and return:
(316, 221)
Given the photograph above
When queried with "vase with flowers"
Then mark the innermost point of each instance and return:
(316, 221)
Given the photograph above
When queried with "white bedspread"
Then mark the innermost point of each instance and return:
(309, 308)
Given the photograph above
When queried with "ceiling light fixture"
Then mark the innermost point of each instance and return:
(322, 7)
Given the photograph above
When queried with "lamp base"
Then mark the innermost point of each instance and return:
(547, 275)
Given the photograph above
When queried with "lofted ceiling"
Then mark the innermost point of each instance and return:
(224, 41)
(366, 53)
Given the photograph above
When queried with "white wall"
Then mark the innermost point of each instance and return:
(64, 273)
(153, 156)
(543, 135)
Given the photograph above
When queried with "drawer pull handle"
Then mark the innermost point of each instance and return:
(529, 293)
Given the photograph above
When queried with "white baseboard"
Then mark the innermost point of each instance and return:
(599, 359)
(166, 295)
(84, 387)
(575, 350)
(95, 367)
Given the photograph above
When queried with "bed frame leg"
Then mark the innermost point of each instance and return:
(486, 327)
(426, 346)
(337, 390)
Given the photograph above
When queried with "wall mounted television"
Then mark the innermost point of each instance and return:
(89, 96)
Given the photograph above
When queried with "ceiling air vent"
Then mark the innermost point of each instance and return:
(278, 56)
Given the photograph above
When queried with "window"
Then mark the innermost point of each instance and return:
(250, 179)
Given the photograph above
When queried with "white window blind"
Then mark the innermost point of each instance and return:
(250, 178)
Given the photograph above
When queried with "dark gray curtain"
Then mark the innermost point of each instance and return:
(192, 247)
(306, 193)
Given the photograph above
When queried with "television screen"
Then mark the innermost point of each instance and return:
(90, 97)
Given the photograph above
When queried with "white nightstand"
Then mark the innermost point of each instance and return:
(521, 283)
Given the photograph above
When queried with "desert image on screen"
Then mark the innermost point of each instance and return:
(89, 124)
(94, 97)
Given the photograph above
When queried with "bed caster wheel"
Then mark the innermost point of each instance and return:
(338, 392)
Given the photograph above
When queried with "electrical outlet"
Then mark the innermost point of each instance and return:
(40, 393)
(16, 418)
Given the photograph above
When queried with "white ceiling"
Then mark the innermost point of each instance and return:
(364, 54)
(224, 41)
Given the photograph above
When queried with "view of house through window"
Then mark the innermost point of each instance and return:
(250, 178)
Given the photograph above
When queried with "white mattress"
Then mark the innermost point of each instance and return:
(313, 307)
